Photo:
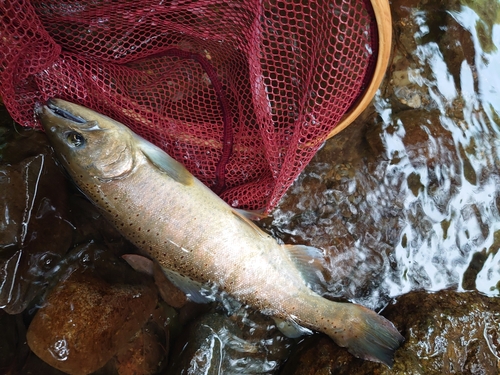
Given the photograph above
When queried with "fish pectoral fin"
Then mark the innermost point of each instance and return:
(311, 264)
(290, 328)
(194, 290)
(164, 162)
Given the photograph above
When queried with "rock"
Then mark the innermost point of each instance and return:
(13, 350)
(86, 321)
(144, 354)
(33, 198)
(33, 365)
(240, 344)
(316, 355)
(446, 333)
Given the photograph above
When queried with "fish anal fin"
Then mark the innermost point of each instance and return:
(290, 328)
(311, 264)
(164, 162)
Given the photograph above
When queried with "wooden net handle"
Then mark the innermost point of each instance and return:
(384, 26)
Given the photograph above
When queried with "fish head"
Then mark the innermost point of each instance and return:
(88, 144)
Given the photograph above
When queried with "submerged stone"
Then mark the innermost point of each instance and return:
(86, 321)
(241, 344)
(12, 350)
(35, 230)
(446, 333)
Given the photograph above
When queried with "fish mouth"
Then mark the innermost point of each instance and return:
(58, 111)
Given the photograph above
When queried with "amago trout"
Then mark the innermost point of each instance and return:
(196, 237)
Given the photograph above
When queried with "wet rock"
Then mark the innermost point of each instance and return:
(147, 352)
(240, 344)
(315, 355)
(446, 333)
(33, 365)
(33, 198)
(144, 354)
(13, 350)
(87, 320)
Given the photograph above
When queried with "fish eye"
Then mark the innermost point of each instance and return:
(75, 139)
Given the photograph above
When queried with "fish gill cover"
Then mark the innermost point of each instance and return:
(243, 93)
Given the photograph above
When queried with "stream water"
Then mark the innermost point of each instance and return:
(422, 212)
(405, 199)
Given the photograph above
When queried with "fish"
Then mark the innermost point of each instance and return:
(203, 245)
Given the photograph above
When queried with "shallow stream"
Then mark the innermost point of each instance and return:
(418, 203)
(405, 199)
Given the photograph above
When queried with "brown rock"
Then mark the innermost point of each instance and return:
(86, 321)
(144, 355)
(446, 333)
(244, 343)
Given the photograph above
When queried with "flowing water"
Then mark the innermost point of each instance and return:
(423, 211)
(404, 199)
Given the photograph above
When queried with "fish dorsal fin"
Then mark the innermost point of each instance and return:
(194, 290)
(165, 162)
(241, 214)
(311, 264)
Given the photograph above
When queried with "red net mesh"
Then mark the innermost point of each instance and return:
(242, 93)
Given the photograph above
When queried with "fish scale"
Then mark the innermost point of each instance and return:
(197, 238)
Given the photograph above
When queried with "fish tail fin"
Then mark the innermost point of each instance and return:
(367, 335)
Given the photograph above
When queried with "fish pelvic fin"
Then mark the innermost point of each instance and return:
(367, 335)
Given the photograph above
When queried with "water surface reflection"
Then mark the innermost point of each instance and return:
(418, 206)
